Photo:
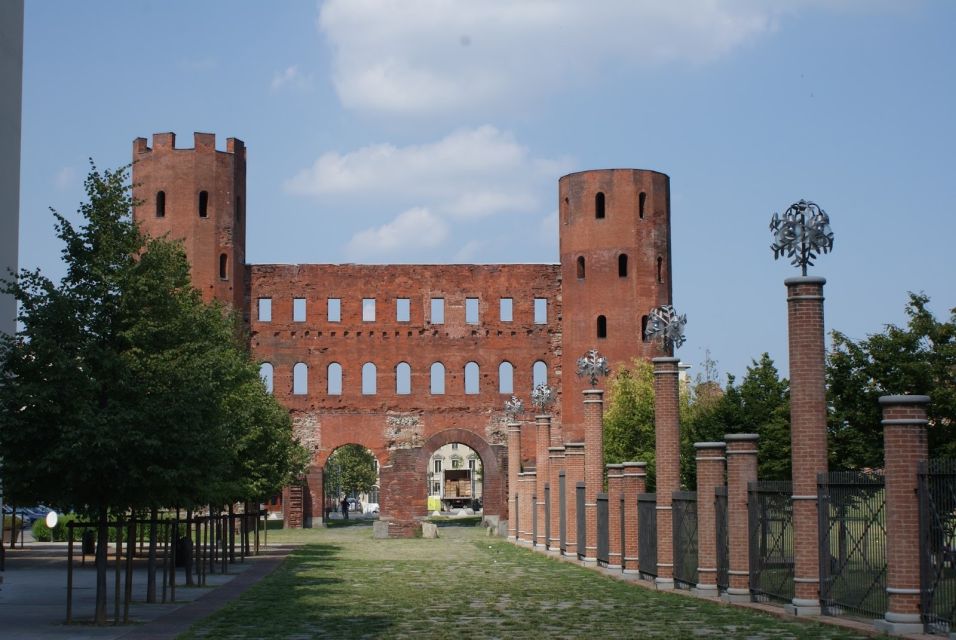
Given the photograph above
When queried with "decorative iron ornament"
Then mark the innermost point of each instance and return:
(513, 408)
(592, 366)
(801, 234)
(666, 326)
(542, 397)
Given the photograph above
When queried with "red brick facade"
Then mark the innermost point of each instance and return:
(741, 471)
(667, 452)
(593, 466)
(711, 469)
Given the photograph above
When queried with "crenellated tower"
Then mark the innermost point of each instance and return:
(198, 196)
(615, 267)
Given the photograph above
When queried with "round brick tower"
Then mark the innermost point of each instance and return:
(615, 267)
(198, 196)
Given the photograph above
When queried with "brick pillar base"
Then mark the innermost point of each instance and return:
(555, 467)
(542, 468)
(593, 466)
(710, 475)
(615, 492)
(526, 480)
(667, 452)
(574, 473)
(741, 471)
(905, 445)
(314, 498)
(514, 468)
(635, 478)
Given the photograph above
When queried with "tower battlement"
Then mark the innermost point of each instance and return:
(202, 143)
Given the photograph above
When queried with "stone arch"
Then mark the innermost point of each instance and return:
(492, 464)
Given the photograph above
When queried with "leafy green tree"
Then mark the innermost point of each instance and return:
(762, 403)
(350, 469)
(629, 419)
(919, 358)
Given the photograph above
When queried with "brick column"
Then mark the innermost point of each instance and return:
(526, 481)
(593, 466)
(905, 445)
(615, 490)
(573, 474)
(555, 466)
(635, 478)
(314, 499)
(741, 471)
(667, 452)
(542, 469)
(808, 434)
(514, 468)
(710, 475)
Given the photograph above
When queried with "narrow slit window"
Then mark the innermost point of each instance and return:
(660, 270)
(506, 310)
(300, 379)
(334, 376)
(266, 372)
(160, 204)
(403, 310)
(541, 311)
(265, 310)
(506, 378)
(601, 327)
(203, 204)
(641, 199)
(403, 379)
(334, 309)
(471, 310)
(643, 328)
(471, 378)
(622, 265)
(437, 379)
(599, 205)
(223, 266)
(369, 384)
(438, 311)
(298, 310)
(539, 373)
(580, 267)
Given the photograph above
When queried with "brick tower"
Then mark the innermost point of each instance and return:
(198, 196)
(615, 267)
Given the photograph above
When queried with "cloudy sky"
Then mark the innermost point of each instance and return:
(434, 131)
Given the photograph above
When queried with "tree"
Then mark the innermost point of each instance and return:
(350, 469)
(919, 358)
(629, 419)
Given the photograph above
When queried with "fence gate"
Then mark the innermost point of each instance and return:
(603, 546)
(771, 540)
(581, 520)
(723, 543)
(937, 493)
(852, 508)
(547, 515)
(562, 513)
(684, 511)
(647, 535)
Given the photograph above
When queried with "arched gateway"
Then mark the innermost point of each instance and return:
(398, 358)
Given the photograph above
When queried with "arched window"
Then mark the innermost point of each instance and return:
(506, 378)
(265, 372)
(437, 379)
(643, 328)
(223, 264)
(580, 267)
(471, 378)
(660, 266)
(203, 204)
(335, 379)
(403, 379)
(641, 199)
(368, 379)
(599, 205)
(160, 204)
(622, 265)
(539, 373)
(601, 327)
(300, 379)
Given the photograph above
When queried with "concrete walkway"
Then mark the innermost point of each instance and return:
(33, 596)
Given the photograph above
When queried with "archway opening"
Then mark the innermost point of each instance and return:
(455, 480)
(351, 482)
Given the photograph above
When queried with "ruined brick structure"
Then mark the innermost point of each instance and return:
(358, 353)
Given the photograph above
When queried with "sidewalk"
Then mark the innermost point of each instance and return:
(33, 595)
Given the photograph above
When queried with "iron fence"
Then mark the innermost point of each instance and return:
(603, 546)
(562, 513)
(852, 526)
(647, 535)
(937, 493)
(685, 538)
(771, 540)
(534, 519)
(581, 532)
(723, 543)
(547, 515)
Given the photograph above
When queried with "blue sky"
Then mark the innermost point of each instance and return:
(435, 131)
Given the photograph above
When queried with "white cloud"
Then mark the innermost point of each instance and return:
(64, 178)
(411, 230)
(290, 77)
(434, 56)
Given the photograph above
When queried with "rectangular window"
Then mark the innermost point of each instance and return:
(265, 309)
(506, 310)
(368, 309)
(471, 310)
(437, 466)
(334, 310)
(298, 310)
(438, 311)
(541, 311)
(403, 310)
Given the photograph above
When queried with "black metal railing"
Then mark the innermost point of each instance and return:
(684, 510)
(581, 532)
(647, 535)
(723, 542)
(534, 519)
(547, 515)
(771, 540)
(563, 513)
(937, 493)
(603, 546)
(852, 527)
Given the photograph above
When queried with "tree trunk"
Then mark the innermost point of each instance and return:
(101, 551)
(151, 558)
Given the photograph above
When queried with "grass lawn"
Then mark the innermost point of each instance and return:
(344, 584)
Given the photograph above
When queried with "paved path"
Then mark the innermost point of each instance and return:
(33, 596)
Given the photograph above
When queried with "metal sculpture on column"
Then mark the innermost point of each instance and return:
(666, 326)
(514, 407)
(543, 397)
(801, 234)
(592, 366)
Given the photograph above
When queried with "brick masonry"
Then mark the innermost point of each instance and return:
(593, 466)
(542, 474)
(667, 452)
(574, 473)
(635, 478)
(555, 468)
(711, 470)
(741, 471)
(615, 501)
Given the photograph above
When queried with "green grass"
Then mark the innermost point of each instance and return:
(344, 584)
